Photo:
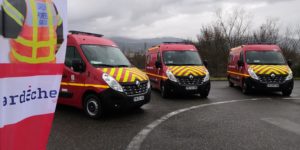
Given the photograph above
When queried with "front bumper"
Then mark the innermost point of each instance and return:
(117, 100)
(177, 88)
(258, 85)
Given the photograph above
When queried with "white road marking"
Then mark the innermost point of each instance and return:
(137, 141)
(292, 98)
(284, 124)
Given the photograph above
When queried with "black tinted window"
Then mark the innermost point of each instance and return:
(265, 57)
(105, 56)
(182, 58)
(71, 54)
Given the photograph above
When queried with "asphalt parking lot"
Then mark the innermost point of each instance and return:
(226, 120)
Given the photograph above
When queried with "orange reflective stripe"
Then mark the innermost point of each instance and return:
(154, 75)
(240, 74)
(85, 85)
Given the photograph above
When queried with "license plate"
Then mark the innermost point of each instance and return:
(273, 85)
(139, 98)
(191, 88)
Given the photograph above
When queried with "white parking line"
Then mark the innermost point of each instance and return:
(284, 124)
(292, 98)
(137, 141)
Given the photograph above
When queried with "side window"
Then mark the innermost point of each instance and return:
(158, 57)
(229, 58)
(153, 58)
(71, 54)
(242, 56)
(148, 59)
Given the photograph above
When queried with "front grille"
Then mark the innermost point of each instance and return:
(198, 80)
(133, 89)
(270, 79)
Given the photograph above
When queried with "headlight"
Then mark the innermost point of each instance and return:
(290, 76)
(148, 85)
(171, 76)
(206, 78)
(252, 74)
(112, 83)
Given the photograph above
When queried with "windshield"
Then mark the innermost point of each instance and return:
(265, 58)
(181, 58)
(105, 56)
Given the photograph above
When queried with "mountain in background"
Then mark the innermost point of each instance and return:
(140, 45)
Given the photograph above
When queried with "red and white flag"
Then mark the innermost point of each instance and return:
(31, 32)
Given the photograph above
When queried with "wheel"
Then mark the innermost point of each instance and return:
(286, 92)
(93, 106)
(245, 88)
(164, 91)
(204, 93)
(230, 83)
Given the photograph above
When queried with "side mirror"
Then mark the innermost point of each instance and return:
(240, 63)
(205, 63)
(158, 64)
(290, 62)
(78, 66)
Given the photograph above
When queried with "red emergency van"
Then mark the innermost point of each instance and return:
(260, 67)
(98, 77)
(177, 68)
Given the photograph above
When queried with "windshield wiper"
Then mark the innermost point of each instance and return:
(122, 66)
(192, 64)
(266, 63)
(174, 64)
(184, 64)
(103, 65)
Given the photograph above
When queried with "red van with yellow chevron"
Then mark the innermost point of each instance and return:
(177, 68)
(98, 77)
(260, 67)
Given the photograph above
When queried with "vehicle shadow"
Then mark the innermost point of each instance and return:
(180, 96)
(72, 112)
(261, 93)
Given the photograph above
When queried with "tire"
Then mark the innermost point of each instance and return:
(245, 88)
(93, 107)
(230, 84)
(164, 91)
(287, 92)
(205, 92)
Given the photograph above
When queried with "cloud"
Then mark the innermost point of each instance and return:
(155, 18)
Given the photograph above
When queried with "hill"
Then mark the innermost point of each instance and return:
(140, 45)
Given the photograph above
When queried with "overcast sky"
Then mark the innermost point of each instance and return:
(169, 18)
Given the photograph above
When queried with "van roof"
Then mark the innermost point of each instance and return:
(257, 47)
(89, 38)
(174, 46)
(261, 47)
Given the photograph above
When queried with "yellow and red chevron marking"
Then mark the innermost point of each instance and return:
(126, 74)
(269, 69)
(188, 70)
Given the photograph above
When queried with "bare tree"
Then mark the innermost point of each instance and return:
(233, 29)
(268, 32)
(235, 26)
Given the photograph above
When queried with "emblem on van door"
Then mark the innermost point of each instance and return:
(273, 75)
(191, 77)
(137, 83)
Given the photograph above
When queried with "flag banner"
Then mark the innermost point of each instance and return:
(33, 37)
